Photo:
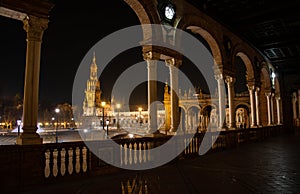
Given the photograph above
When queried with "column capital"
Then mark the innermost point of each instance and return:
(35, 26)
(151, 55)
(294, 97)
(229, 80)
(219, 76)
(268, 94)
(257, 89)
(251, 87)
(173, 62)
(277, 97)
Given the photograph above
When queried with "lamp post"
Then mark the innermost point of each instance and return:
(140, 116)
(107, 123)
(19, 124)
(118, 108)
(56, 137)
(103, 106)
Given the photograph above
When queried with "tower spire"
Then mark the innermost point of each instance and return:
(94, 58)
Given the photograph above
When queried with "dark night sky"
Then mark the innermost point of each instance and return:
(73, 29)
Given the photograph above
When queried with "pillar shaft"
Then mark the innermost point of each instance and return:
(299, 104)
(294, 100)
(221, 96)
(34, 27)
(272, 108)
(173, 65)
(152, 91)
(278, 107)
(257, 106)
(230, 84)
(252, 104)
(268, 95)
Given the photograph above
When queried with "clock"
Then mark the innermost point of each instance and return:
(169, 12)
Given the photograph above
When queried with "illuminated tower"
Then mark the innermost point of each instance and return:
(92, 97)
(167, 103)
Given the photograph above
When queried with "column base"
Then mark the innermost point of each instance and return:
(29, 141)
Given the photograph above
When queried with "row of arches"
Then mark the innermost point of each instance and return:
(229, 51)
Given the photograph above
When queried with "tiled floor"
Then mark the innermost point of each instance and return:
(270, 166)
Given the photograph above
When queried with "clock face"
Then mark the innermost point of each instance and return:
(169, 12)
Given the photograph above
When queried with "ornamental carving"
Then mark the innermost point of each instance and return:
(35, 26)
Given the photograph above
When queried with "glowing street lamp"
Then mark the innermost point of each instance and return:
(103, 106)
(56, 137)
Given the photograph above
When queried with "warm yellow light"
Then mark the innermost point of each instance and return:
(140, 109)
(118, 106)
(103, 104)
(57, 110)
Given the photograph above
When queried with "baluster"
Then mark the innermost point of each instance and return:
(77, 162)
(63, 161)
(70, 162)
(140, 152)
(135, 152)
(148, 150)
(84, 158)
(47, 163)
(55, 169)
(145, 151)
(125, 154)
(121, 159)
(130, 153)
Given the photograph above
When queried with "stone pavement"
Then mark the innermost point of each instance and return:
(269, 166)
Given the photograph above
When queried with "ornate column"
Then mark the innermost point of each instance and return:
(272, 108)
(151, 59)
(34, 27)
(299, 104)
(186, 122)
(251, 89)
(268, 95)
(294, 100)
(230, 83)
(173, 65)
(221, 95)
(257, 106)
(278, 100)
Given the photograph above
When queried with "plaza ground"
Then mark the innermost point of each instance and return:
(269, 166)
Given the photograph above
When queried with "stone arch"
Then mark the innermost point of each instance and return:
(182, 112)
(265, 78)
(197, 25)
(242, 104)
(265, 88)
(207, 116)
(242, 114)
(249, 66)
(192, 121)
(146, 14)
(277, 87)
(194, 105)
